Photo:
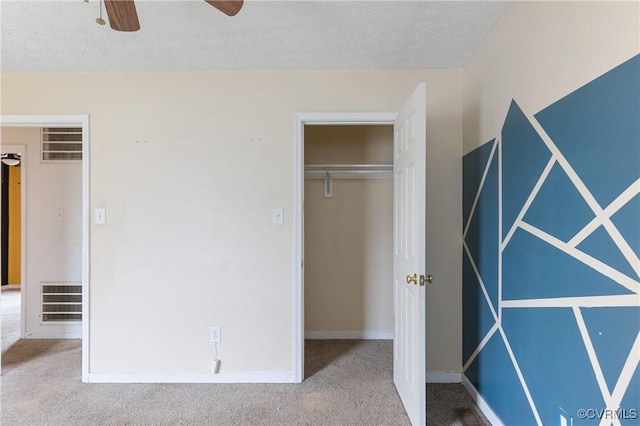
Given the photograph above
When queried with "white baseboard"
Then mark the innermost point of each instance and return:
(11, 286)
(230, 377)
(359, 335)
(443, 377)
(481, 403)
(54, 335)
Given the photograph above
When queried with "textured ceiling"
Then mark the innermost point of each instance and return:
(190, 35)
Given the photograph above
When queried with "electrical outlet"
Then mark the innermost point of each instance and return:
(215, 334)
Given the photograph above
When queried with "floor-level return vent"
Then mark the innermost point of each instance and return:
(61, 301)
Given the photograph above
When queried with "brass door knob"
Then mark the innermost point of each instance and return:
(429, 278)
(412, 279)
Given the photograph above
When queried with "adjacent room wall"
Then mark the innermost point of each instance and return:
(189, 167)
(348, 255)
(551, 138)
(15, 226)
(53, 248)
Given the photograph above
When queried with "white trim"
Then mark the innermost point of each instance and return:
(54, 335)
(66, 120)
(360, 335)
(298, 242)
(345, 118)
(42, 120)
(443, 377)
(231, 377)
(481, 403)
(300, 120)
(23, 231)
(11, 287)
(86, 237)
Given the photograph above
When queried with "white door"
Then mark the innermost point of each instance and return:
(409, 145)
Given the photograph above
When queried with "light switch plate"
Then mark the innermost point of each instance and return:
(278, 216)
(101, 216)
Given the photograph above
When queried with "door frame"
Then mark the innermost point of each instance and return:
(23, 232)
(301, 120)
(62, 121)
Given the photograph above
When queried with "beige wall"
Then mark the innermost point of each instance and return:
(189, 167)
(539, 52)
(53, 248)
(349, 237)
(348, 144)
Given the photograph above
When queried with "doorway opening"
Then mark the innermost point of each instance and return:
(11, 216)
(303, 121)
(409, 205)
(12, 220)
(348, 237)
(13, 253)
(61, 223)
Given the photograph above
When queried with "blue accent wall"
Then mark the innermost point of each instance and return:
(551, 274)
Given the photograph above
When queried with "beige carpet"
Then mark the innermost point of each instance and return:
(348, 382)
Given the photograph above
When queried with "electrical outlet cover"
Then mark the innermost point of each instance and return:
(215, 334)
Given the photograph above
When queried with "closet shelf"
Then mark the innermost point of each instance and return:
(348, 171)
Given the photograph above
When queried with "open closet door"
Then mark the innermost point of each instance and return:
(409, 165)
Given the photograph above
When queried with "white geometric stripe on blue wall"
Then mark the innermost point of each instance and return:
(600, 245)
(603, 117)
(559, 350)
(551, 290)
(626, 220)
(481, 236)
(606, 332)
(476, 310)
(494, 376)
(524, 156)
(632, 396)
(558, 207)
(534, 269)
(473, 166)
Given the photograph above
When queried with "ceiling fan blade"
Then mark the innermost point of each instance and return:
(122, 15)
(228, 7)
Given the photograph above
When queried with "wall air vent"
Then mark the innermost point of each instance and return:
(61, 302)
(61, 144)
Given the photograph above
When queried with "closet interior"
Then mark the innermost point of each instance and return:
(348, 231)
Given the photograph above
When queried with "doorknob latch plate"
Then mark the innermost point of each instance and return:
(413, 279)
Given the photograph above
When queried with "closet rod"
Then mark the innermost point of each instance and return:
(348, 171)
